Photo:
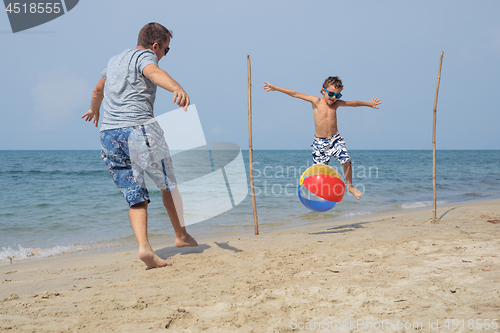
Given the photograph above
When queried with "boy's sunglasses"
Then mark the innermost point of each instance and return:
(331, 94)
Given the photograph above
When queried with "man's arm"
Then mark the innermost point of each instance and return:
(95, 102)
(292, 93)
(161, 78)
(373, 103)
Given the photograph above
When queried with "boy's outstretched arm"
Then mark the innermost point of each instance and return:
(373, 103)
(292, 93)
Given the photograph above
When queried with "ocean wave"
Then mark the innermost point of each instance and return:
(485, 194)
(356, 214)
(413, 205)
(9, 255)
(421, 204)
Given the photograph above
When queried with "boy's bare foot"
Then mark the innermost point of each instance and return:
(185, 240)
(152, 260)
(357, 194)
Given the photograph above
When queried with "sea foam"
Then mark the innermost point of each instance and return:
(9, 255)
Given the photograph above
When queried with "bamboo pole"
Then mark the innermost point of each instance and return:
(434, 140)
(250, 148)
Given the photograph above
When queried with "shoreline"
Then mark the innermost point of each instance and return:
(390, 267)
(156, 240)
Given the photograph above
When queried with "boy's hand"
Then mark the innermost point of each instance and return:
(269, 87)
(374, 102)
(89, 115)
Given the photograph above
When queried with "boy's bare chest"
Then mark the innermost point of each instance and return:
(325, 114)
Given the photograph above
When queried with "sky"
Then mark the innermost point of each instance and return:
(388, 49)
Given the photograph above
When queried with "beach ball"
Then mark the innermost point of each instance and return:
(320, 188)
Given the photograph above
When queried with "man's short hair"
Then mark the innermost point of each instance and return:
(333, 81)
(153, 33)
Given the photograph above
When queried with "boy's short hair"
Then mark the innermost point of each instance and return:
(153, 33)
(333, 81)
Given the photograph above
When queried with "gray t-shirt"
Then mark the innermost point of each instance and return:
(128, 95)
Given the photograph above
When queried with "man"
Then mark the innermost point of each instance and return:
(132, 141)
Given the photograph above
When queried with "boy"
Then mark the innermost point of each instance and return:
(132, 141)
(327, 140)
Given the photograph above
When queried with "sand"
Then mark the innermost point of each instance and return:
(377, 273)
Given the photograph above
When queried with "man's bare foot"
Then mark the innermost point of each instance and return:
(152, 260)
(185, 240)
(357, 194)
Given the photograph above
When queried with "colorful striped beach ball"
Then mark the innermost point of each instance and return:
(320, 188)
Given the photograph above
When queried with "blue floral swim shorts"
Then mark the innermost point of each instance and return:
(131, 151)
(325, 148)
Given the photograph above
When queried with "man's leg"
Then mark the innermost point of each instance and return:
(171, 201)
(348, 176)
(138, 215)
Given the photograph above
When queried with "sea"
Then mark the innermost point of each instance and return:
(57, 203)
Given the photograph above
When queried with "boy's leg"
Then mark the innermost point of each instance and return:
(138, 215)
(321, 153)
(335, 146)
(173, 203)
(348, 176)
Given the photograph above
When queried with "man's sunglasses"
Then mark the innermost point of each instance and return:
(331, 94)
(166, 50)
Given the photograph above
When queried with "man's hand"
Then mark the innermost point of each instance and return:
(181, 98)
(89, 115)
(269, 87)
(374, 102)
